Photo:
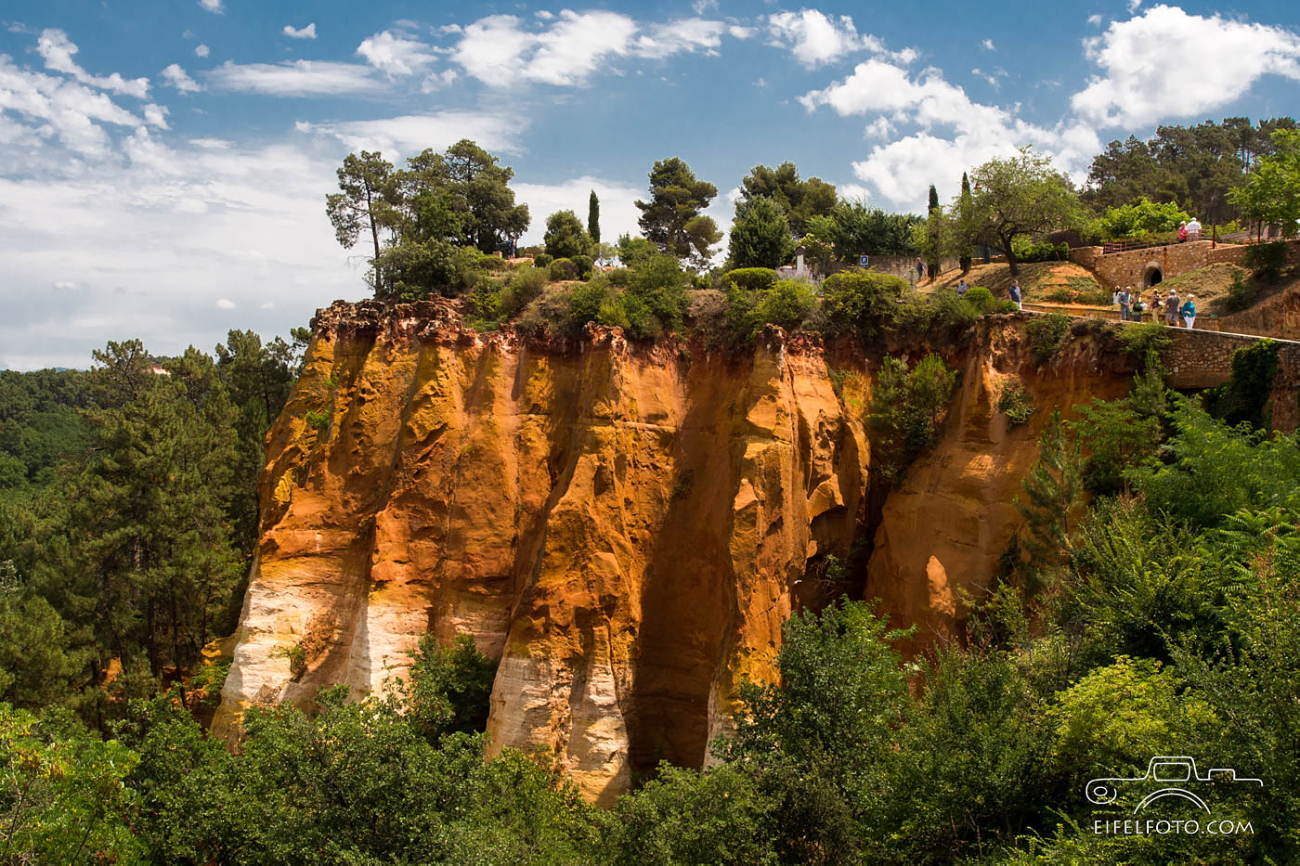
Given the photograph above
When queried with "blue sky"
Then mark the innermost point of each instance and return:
(163, 165)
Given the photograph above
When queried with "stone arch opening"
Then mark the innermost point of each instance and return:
(1152, 276)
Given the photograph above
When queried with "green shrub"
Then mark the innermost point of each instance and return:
(906, 407)
(1244, 397)
(980, 298)
(1027, 251)
(485, 303)
(524, 286)
(750, 279)
(493, 264)
(1045, 334)
(1142, 340)
(596, 301)
(584, 265)
(951, 312)
(1015, 403)
(860, 303)
(787, 304)
(542, 260)
(414, 271)
(655, 298)
(318, 419)
(618, 277)
(563, 269)
(1268, 261)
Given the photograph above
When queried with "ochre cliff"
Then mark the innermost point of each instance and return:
(626, 527)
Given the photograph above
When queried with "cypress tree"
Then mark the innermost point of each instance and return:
(965, 212)
(593, 217)
(934, 234)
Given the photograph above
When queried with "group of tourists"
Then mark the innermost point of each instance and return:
(1189, 231)
(1176, 311)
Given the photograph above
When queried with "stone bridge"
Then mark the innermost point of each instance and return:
(1148, 267)
(1203, 359)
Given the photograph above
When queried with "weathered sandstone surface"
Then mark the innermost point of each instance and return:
(626, 527)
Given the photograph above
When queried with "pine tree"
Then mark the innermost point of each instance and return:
(593, 217)
(1053, 490)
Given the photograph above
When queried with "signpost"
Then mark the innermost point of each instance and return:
(864, 261)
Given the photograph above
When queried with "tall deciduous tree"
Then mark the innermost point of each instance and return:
(760, 235)
(368, 191)
(1022, 195)
(593, 217)
(672, 218)
(1272, 195)
(565, 237)
(801, 199)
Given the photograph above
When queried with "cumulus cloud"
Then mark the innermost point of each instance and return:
(226, 304)
(177, 77)
(1169, 64)
(308, 32)
(954, 132)
(410, 134)
(216, 7)
(988, 45)
(816, 39)
(40, 106)
(57, 51)
(295, 78)
(395, 56)
(202, 51)
(569, 48)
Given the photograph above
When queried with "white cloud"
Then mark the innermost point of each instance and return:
(814, 39)
(683, 35)
(295, 78)
(65, 286)
(901, 170)
(251, 219)
(571, 47)
(702, 6)
(988, 45)
(156, 115)
(226, 304)
(211, 143)
(308, 32)
(73, 113)
(1168, 64)
(57, 51)
(438, 80)
(738, 31)
(1094, 20)
(180, 79)
(618, 214)
(202, 51)
(411, 134)
(395, 55)
(214, 6)
(1133, 5)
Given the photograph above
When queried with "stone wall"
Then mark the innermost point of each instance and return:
(905, 266)
(1130, 268)
(1203, 359)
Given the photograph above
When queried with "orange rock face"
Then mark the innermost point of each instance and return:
(626, 528)
(623, 527)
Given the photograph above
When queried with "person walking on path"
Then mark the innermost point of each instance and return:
(1189, 311)
(1016, 294)
(1171, 309)
(920, 269)
(1125, 301)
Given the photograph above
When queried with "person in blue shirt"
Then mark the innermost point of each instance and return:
(1016, 294)
(962, 287)
(1189, 311)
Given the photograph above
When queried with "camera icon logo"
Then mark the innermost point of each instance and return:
(1173, 776)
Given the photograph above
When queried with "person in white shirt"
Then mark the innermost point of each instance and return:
(1194, 230)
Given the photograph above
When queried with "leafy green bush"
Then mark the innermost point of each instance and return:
(1142, 218)
(449, 687)
(318, 419)
(484, 303)
(414, 271)
(860, 303)
(525, 285)
(1045, 334)
(1145, 340)
(906, 407)
(584, 265)
(1028, 251)
(618, 277)
(543, 260)
(1243, 398)
(1015, 403)
(655, 298)
(980, 298)
(788, 303)
(750, 279)
(493, 264)
(563, 269)
(1268, 261)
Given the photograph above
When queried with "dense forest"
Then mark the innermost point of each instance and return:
(1150, 607)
